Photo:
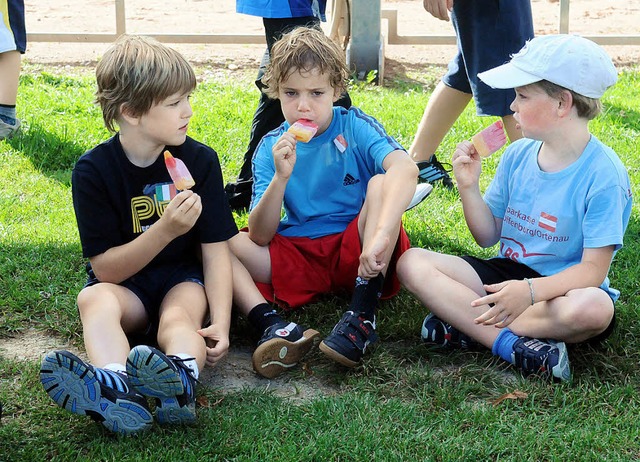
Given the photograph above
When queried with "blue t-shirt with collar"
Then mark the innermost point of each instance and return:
(329, 181)
(548, 219)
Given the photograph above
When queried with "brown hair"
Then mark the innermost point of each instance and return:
(586, 107)
(304, 49)
(138, 72)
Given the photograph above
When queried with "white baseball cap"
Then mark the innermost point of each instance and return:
(570, 61)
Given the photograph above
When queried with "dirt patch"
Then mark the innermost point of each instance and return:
(235, 373)
(587, 17)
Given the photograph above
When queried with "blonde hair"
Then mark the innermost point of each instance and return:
(587, 108)
(138, 72)
(305, 49)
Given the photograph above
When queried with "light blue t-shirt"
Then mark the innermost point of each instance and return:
(549, 218)
(282, 8)
(329, 181)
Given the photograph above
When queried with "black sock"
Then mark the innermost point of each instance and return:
(366, 295)
(263, 316)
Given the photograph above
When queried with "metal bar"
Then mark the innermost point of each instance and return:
(563, 26)
(121, 18)
(364, 47)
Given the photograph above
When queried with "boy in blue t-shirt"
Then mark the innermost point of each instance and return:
(343, 195)
(558, 206)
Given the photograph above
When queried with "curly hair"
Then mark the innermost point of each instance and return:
(137, 72)
(305, 49)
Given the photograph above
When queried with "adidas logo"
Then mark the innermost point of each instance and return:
(349, 180)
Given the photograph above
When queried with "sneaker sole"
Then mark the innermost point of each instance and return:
(152, 376)
(74, 387)
(277, 355)
(561, 372)
(333, 354)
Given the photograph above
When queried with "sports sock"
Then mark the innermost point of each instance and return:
(8, 114)
(263, 316)
(116, 367)
(190, 363)
(366, 295)
(503, 345)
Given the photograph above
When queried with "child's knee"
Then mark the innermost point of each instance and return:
(407, 267)
(592, 314)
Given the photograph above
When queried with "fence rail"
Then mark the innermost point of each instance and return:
(390, 15)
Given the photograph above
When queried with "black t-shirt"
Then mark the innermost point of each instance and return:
(115, 201)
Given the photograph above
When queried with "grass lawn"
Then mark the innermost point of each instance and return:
(405, 402)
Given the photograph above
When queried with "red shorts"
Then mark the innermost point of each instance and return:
(302, 269)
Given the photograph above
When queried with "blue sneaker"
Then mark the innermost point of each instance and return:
(281, 347)
(101, 394)
(167, 380)
(546, 358)
(349, 339)
(437, 332)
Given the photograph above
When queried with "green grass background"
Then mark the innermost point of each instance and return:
(405, 402)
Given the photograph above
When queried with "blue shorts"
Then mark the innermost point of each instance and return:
(151, 285)
(13, 34)
(497, 270)
(488, 32)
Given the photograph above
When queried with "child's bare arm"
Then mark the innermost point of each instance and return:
(216, 263)
(467, 166)
(121, 262)
(399, 185)
(265, 217)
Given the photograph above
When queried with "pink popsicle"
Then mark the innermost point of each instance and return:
(490, 139)
(303, 130)
(178, 172)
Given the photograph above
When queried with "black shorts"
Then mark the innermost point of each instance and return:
(495, 270)
(152, 284)
(488, 32)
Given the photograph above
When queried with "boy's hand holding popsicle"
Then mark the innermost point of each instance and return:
(468, 155)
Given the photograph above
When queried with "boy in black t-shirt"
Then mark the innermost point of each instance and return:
(157, 257)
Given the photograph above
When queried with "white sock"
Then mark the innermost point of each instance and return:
(190, 363)
(116, 367)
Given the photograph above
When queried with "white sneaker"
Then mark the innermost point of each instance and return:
(422, 191)
(6, 130)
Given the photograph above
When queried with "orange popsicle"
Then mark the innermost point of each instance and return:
(303, 130)
(178, 172)
(490, 139)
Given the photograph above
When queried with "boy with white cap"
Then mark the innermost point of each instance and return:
(558, 205)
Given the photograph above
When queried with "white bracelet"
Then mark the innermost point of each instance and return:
(533, 295)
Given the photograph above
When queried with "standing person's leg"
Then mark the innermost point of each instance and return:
(13, 42)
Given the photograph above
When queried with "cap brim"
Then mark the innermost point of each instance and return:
(507, 76)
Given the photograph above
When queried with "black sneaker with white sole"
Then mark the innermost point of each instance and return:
(439, 333)
(281, 347)
(433, 170)
(349, 339)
